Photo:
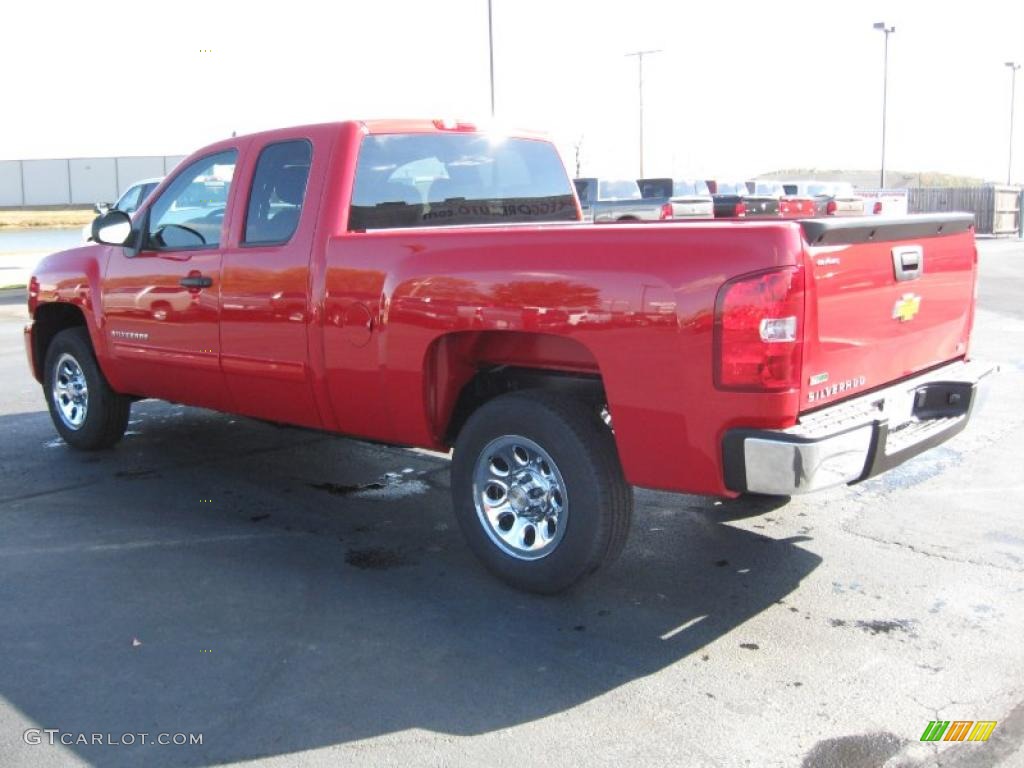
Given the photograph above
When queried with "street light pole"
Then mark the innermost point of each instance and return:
(490, 47)
(880, 25)
(1013, 92)
(640, 61)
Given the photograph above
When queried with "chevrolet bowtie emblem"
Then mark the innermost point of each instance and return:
(906, 307)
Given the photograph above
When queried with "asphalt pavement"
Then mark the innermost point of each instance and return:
(294, 598)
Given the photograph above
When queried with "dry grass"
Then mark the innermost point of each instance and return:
(23, 218)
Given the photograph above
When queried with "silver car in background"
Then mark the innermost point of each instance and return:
(689, 198)
(610, 200)
(128, 202)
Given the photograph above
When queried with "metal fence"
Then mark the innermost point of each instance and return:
(76, 180)
(996, 209)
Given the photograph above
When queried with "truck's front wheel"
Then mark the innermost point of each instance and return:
(538, 490)
(87, 413)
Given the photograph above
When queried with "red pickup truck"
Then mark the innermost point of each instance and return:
(430, 284)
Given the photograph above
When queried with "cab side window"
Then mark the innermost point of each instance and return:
(190, 212)
(278, 191)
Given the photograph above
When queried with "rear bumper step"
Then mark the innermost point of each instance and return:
(857, 438)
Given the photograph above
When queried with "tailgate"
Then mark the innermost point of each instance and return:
(759, 206)
(688, 207)
(849, 206)
(886, 298)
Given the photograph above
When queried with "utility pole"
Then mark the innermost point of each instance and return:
(640, 61)
(1013, 92)
(880, 25)
(490, 45)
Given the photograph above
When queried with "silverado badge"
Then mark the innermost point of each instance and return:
(906, 307)
(857, 382)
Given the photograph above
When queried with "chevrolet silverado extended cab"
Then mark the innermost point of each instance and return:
(430, 284)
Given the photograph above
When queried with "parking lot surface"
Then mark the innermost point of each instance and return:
(300, 599)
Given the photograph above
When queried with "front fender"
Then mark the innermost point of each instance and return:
(71, 278)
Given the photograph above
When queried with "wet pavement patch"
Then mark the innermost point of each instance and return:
(338, 489)
(376, 558)
(878, 626)
(885, 627)
(393, 485)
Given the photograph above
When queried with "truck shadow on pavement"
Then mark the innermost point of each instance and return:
(278, 590)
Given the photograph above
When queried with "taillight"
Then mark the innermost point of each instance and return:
(783, 207)
(666, 211)
(758, 333)
(831, 208)
(740, 209)
(877, 208)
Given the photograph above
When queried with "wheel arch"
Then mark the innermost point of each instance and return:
(464, 370)
(49, 320)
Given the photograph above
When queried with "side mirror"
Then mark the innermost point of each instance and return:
(112, 228)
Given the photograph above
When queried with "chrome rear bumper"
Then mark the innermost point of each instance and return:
(856, 438)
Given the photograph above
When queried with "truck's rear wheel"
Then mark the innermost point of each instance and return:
(538, 490)
(87, 413)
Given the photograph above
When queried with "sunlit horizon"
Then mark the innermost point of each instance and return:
(738, 90)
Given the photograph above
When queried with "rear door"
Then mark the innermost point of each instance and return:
(886, 298)
(265, 298)
(161, 306)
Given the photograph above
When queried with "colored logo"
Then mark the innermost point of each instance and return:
(958, 730)
(906, 307)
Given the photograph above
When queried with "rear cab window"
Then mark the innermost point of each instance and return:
(277, 193)
(618, 189)
(452, 179)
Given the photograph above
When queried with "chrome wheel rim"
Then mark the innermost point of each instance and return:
(520, 497)
(70, 392)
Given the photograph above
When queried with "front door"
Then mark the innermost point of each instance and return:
(162, 306)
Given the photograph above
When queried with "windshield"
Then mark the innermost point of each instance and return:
(618, 189)
(683, 187)
(429, 180)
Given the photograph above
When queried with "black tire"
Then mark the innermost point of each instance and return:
(106, 414)
(599, 504)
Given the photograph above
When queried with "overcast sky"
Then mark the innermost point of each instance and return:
(741, 87)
